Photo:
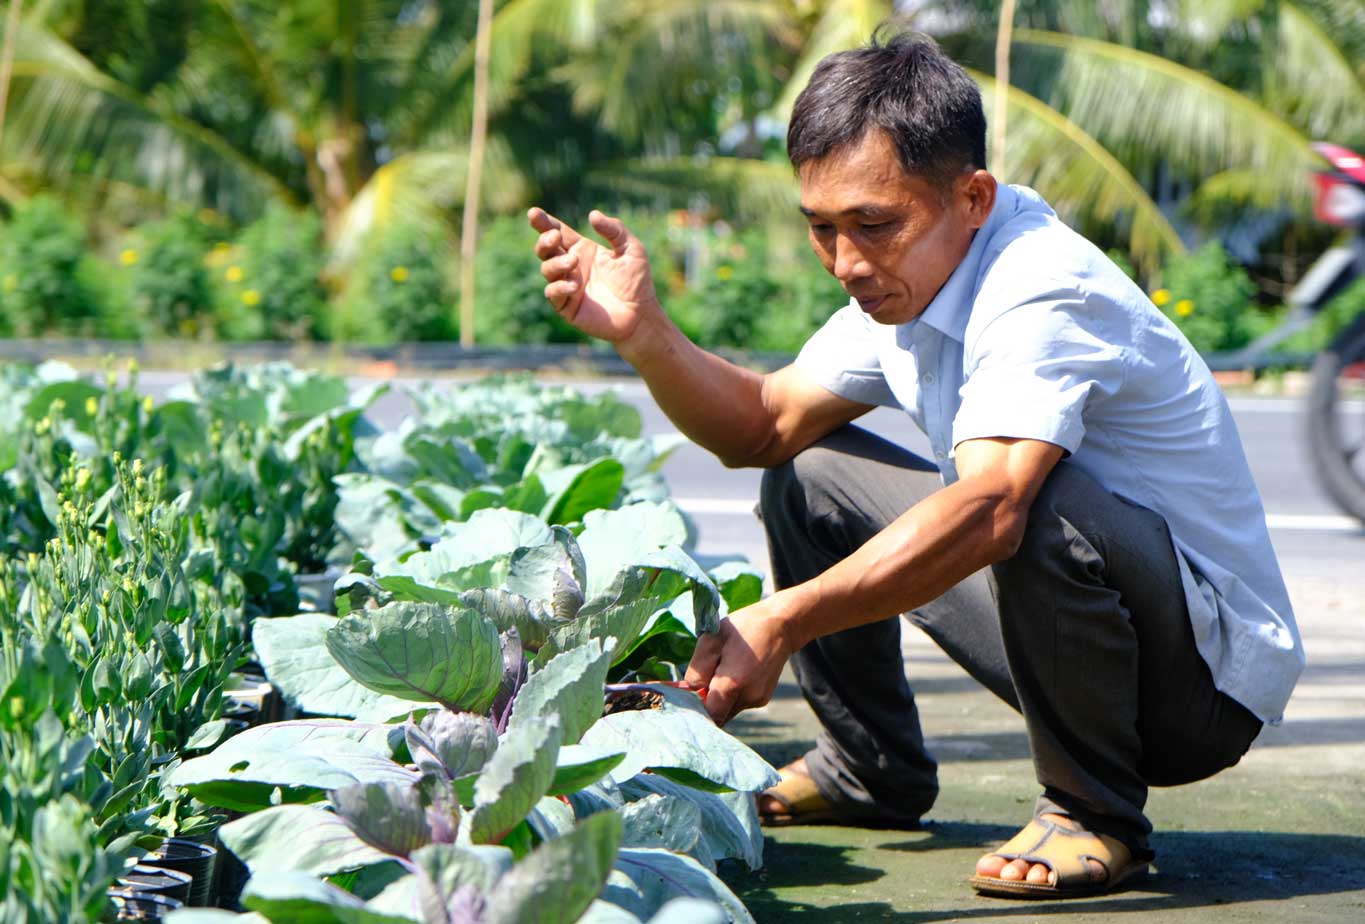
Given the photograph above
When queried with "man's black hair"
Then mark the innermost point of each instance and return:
(904, 85)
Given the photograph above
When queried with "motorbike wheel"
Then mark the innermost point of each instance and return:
(1336, 419)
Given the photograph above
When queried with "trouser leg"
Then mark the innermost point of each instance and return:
(870, 758)
(1113, 690)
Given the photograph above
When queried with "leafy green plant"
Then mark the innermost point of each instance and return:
(169, 284)
(46, 284)
(401, 291)
(1210, 299)
(271, 283)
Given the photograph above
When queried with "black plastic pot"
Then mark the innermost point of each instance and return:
(132, 905)
(168, 882)
(252, 688)
(199, 860)
(317, 593)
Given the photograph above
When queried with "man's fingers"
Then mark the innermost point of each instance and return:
(560, 267)
(550, 244)
(559, 293)
(543, 221)
(721, 699)
(705, 659)
(612, 229)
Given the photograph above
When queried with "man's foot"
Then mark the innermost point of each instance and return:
(994, 866)
(1054, 857)
(795, 800)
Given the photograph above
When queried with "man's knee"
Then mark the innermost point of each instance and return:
(1062, 513)
(798, 487)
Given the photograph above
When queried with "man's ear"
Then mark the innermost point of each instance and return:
(977, 196)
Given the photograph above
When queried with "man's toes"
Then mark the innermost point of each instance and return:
(1014, 871)
(990, 865)
(1040, 874)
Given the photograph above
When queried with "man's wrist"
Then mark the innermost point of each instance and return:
(651, 337)
(798, 616)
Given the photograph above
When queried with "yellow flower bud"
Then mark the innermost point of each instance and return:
(1184, 308)
(1161, 298)
(399, 274)
(233, 274)
(82, 479)
(251, 298)
(92, 406)
(148, 405)
(128, 257)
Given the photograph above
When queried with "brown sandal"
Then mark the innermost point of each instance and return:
(800, 800)
(1064, 851)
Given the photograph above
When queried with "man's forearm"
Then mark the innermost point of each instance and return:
(930, 548)
(715, 403)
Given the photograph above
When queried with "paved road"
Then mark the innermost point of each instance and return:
(1310, 534)
(1313, 539)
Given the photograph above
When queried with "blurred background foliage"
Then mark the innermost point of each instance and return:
(281, 169)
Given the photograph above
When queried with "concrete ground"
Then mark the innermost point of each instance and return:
(1280, 837)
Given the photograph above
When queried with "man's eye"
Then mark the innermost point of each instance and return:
(875, 225)
(822, 229)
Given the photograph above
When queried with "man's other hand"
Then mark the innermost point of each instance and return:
(604, 291)
(741, 662)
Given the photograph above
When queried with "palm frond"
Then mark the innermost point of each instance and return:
(845, 24)
(1234, 196)
(71, 118)
(1316, 85)
(1140, 105)
(423, 189)
(1083, 181)
(743, 189)
(641, 85)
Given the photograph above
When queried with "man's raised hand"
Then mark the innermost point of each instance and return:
(604, 291)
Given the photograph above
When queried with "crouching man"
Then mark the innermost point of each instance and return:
(1086, 541)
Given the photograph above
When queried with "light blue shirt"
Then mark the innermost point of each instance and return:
(1037, 335)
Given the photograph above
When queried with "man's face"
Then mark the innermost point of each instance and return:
(891, 238)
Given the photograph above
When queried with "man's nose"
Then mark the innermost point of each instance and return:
(849, 262)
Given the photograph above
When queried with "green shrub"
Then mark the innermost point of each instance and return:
(48, 282)
(510, 294)
(401, 292)
(168, 281)
(1211, 300)
(271, 282)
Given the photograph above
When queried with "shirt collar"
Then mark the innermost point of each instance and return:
(951, 307)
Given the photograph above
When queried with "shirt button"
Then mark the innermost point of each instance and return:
(940, 455)
(927, 378)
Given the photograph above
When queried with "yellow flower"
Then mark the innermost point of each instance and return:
(148, 405)
(128, 257)
(1161, 297)
(399, 274)
(724, 272)
(1184, 308)
(233, 274)
(92, 406)
(82, 479)
(251, 298)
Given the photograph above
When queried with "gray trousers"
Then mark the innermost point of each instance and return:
(1084, 631)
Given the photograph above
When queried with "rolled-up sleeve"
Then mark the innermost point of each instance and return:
(1032, 371)
(842, 357)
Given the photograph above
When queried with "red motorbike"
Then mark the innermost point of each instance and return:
(1336, 398)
